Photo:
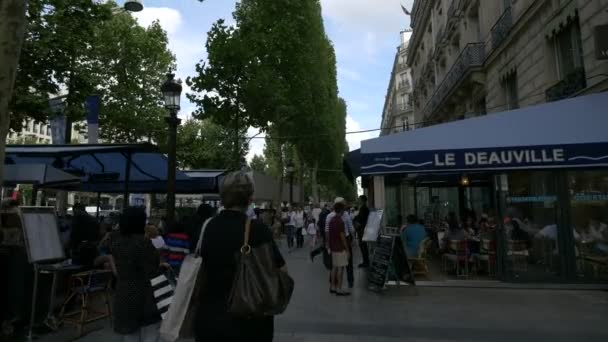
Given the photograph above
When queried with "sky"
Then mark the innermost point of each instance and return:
(365, 34)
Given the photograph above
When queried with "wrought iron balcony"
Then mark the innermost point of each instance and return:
(501, 29)
(571, 84)
(473, 55)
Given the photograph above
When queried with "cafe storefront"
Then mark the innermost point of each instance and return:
(540, 173)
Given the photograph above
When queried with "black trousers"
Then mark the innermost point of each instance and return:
(350, 272)
(364, 252)
(299, 238)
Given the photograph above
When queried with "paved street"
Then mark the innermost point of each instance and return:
(435, 314)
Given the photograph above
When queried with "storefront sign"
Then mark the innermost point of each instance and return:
(601, 42)
(502, 158)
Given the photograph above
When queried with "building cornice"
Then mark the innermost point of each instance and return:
(420, 13)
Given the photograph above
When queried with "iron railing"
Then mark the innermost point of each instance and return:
(571, 84)
(501, 29)
(473, 55)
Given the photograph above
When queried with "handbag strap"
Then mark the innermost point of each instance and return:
(246, 248)
(199, 244)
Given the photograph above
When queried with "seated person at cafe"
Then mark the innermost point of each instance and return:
(469, 226)
(518, 234)
(487, 228)
(412, 235)
(455, 231)
(596, 230)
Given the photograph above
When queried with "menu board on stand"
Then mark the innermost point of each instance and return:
(389, 265)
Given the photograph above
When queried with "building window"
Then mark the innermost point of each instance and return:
(568, 50)
(569, 63)
(511, 95)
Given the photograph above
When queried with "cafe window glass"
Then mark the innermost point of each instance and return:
(392, 206)
(531, 229)
(589, 221)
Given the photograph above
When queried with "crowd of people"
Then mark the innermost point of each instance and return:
(135, 250)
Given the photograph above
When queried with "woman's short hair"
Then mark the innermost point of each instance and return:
(236, 190)
(133, 221)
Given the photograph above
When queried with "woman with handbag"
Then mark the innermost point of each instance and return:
(136, 317)
(227, 236)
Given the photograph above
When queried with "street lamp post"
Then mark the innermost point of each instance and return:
(172, 91)
(290, 172)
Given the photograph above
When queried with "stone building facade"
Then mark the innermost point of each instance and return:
(397, 114)
(472, 57)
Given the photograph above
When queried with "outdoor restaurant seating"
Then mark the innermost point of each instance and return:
(458, 254)
(487, 255)
(85, 287)
(518, 254)
(419, 265)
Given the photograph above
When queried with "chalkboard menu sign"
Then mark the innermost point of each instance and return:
(381, 261)
(389, 259)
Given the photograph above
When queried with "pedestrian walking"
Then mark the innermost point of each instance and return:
(338, 245)
(311, 230)
(360, 223)
(321, 226)
(222, 240)
(349, 231)
(299, 218)
(136, 317)
(290, 227)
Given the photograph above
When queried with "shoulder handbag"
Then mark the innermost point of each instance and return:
(259, 287)
(179, 319)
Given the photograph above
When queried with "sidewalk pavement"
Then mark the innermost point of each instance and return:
(436, 314)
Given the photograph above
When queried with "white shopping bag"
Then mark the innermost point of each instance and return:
(178, 321)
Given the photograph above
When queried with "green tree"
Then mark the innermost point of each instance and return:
(203, 144)
(131, 62)
(258, 164)
(57, 54)
(221, 80)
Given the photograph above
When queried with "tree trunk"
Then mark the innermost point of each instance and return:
(279, 195)
(315, 186)
(302, 197)
(12, 29)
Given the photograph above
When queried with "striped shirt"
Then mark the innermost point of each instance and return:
(177, 246)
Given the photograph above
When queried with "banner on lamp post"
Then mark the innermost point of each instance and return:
(92, 104)
(58, 121)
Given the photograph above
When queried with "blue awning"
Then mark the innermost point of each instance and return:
(564, 134)
(104, 167)
(40, 175)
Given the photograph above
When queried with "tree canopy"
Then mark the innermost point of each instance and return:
(204, 144)
(82, 48)
(275, 70)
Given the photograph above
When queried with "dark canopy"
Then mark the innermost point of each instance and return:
(40, 175)
(109, 168)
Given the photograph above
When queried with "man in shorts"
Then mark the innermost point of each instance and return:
(338, 245)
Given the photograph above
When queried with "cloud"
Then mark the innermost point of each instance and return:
(170, 19)
(354, 140)
(367, 15)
